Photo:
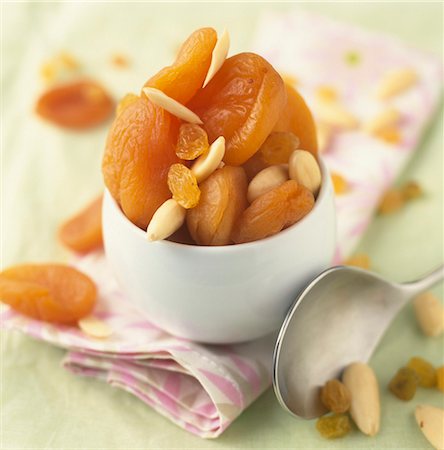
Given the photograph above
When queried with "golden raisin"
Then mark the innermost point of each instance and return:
(392, 201)
(412, 190)
(183, 186)
(334, 426)
(424, 370)
(361, 260)
(273, 211)
(440, 378)
(404, 383)
(192, 141)
(278, 147)
(335, 396)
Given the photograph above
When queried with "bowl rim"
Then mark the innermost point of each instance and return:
(213, 249)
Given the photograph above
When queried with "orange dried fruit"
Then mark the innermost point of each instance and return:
(242, 103)
(273, 211)
(192, 141)
(48, 292)
(278, 147)
(404, 383)
(183, 186)
(392, 201)
(83, 232)
(136, 161)
(186, 75)
(125, 101)
(296, 117)
(81, 104)
(223, 199)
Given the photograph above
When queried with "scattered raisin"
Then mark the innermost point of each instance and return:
(192, 141)
(335, 396)
(440, 378)
(404, 383)
(425, 372)
(334, 426)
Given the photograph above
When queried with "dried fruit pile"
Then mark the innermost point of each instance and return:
(222, 147)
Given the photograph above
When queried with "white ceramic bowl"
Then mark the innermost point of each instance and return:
(220, 294)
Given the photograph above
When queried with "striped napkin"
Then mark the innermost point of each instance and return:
(203, 388)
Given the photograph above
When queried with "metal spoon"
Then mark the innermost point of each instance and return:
(338, 318)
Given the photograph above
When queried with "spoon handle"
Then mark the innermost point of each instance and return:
(414, 288)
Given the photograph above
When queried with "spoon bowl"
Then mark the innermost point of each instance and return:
(337, 319)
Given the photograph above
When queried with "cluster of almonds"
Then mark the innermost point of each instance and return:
(333, 115)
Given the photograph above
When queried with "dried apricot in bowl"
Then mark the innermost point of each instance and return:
(297, 118)
(77, 105)
(140, 149)
(273, 211)
(186, 75)
(223, 199)
(242, 103)
(48, 292)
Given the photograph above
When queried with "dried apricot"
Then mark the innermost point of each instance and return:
(335, 396)
(424, 370)
(273, 211)
(136, 161)
(192, 141)
(278, 147)
(223, 199)
(49, 292)
(440, 378)
(242, 103)
(126, 100)
(297, 118)
(81, 104)
(186, 75)
(83, 232)
(404, 383)
(334, 426)
(183, 186)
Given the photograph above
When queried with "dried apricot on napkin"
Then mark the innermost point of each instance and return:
(81, 104)
(48, 292)
(140, 149)
(242, 103)
(83, 232)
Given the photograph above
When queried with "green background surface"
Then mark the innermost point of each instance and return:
(48, 173)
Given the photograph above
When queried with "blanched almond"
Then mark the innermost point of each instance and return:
(218, 56)
(429, 314)
(384, 120)
(361, 381)
(335, 114)
(304, 169)
(266, 180)
(168, 218)
(171, 105)
(431, 422)
(395, 82)
(94, 327)
(207, 163)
